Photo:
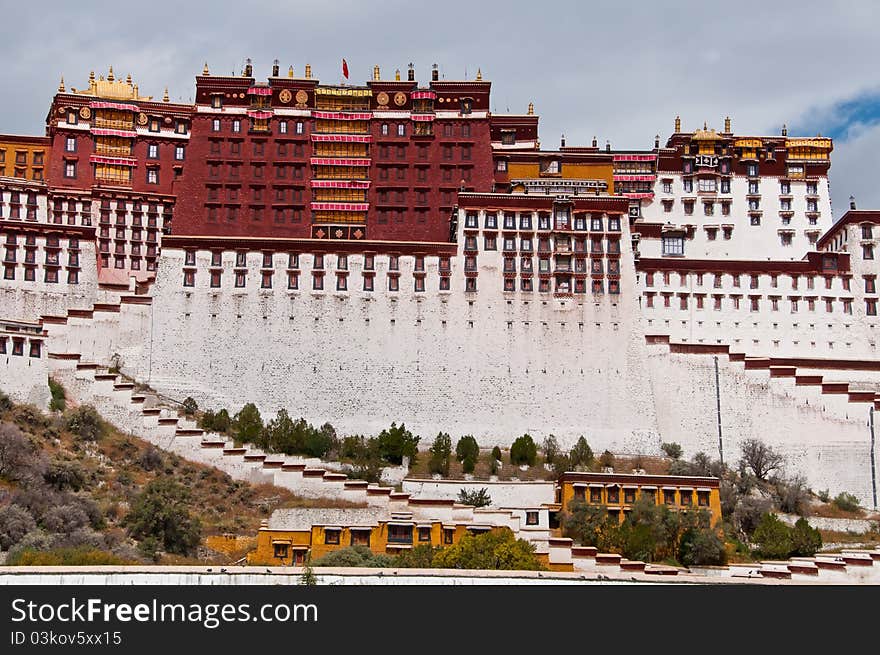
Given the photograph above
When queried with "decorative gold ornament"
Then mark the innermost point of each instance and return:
(302, 97)
(142, 119)
(285, 96)
(85, 113)
(382, 98)
(400, 99)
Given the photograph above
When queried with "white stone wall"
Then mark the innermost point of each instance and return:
(23, 378)
(503, 494)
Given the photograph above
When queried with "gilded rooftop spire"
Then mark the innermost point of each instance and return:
(165, 96)
(61, 86)
(479, 75)
(531, 109)
(205, 70)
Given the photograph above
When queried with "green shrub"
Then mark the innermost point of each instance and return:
(58, 402)
(467, 451)
(162, 512)
(773, 538)
(189, 406)
(496, 453)
(85, 423)
(672, 450)
(495, 550)
(395, 443)
(806, 540)
(550, 448)
(248, 424)
(846, 502)
(441, 451)
(524, 451)
(355, 556)
(606, 459)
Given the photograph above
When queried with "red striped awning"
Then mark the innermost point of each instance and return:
(116, 161)
(260, 91)
(113, 105)
(423, 117)
(342, 138)
(343, 116)
(328, 161)
(254, 113)
(634, 178)
(635, 157)
(423, 95)
(638, 196)
(99, 131)
(340, 184)
(340, 206)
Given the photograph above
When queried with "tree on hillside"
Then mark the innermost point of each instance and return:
(524, 451)
(475, 497)
(581, 454)
(189, 406)
(773, 538)
(495, 550)
(672, 450)
(441, 452)
(584, 523)
(550, 448)
(20, 459)
(467, 451)
(85, 423)
(161, 513)
(248, 424)
(395, 443)
(760, 458)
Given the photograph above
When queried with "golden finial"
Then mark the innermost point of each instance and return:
(135, 91)
(784, 129)
(677, 124)
(290, 72)
(61, 86)
(128, 79)
(479, 75)
(727, 125)
(91, 76)
(397, 75)
(110, 77)
(376, 76)
(205, 70)
(165, 97)
(705, 126)
(531, 109)
(308, 71)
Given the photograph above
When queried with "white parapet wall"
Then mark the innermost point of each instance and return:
(503, 493)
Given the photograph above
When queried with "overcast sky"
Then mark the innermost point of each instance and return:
(619, 71)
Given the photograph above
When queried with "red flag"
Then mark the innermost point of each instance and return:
(345, 68)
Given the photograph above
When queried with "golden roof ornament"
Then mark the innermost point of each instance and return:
(110, 76)
(397, 75)
(479, 75)
(376, 73)
(531, 111)
(727, 129)
(165, 96)
(91, 76)
(205, 70)
(290, 71)
(678, 124)
(61, 86)
(128, 79)
(308, 71)
(110, 88)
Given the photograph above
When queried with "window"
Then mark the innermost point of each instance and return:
(70, 169)
(531, 518)
(686, 496)
(867, 252)
(752, 170)
(867, 232)
(470, 284)
(152, 176)
(871, 307)
(236, 125)
(70, 144)
(673, 245)
(400, 534)
(152, 151)
(811, 188)
(753, 186)
(401, 129)
(725, 185)
(393, 283)
(703, 498)
(707, 185)
(688, 185)
(667, 186)
(215, 125)
(501, 166)
(189, 278)
(179, 152)
(870, 285)
(72, 118)
(331, 536)
(424, 533)
(342, 283)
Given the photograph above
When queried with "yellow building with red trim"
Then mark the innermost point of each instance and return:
(618, 492)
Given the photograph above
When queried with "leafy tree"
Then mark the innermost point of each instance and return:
(496, 453)
(701, 465)
(550, 448)
(672, 450)
(85, 423)
(206, 421)
(524, 451)
(58, 401)
(395, 443)
(222, 421)
(476, 497)
(773, 538)
(248, 424)
(581, 454)
(161, 511)
(806, 540)
(584, 523)
(847, 502)
(495, 550)
(319, 441)
(760, 458)
(189, 406)
(308, 578)
(419, 557)
(606, 459)
(467, 451)
(15, 523)
(701, 548)
(281, 435)
(441, 452)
